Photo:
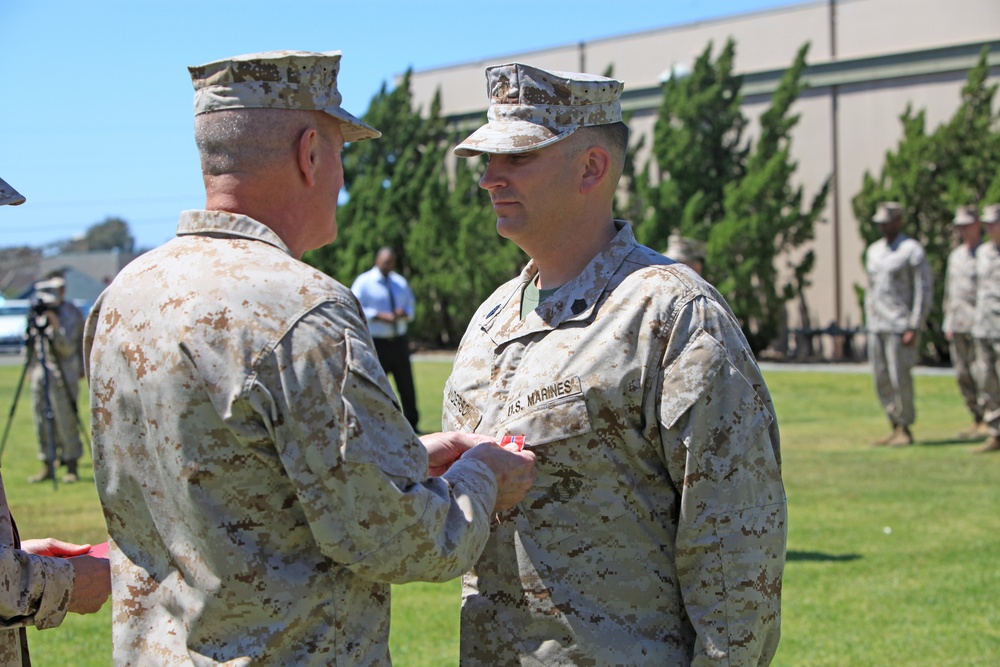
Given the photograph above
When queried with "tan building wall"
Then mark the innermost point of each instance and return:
(868, 59)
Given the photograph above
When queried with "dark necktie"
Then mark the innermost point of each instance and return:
(392, 304)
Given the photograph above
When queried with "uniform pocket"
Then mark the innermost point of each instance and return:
(577, 490)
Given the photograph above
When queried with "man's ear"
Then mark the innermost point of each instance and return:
(308, 155)
(596, 167)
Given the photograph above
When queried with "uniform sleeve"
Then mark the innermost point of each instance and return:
(923, 290)
(720, 442)
(357, 467)
(34, 590)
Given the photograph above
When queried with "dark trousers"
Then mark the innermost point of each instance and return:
(394, 355)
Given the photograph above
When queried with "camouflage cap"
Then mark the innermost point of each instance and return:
(50, 284)
(684, 249)
(531, 108)
(965, 215)
(886, 211)
(295, 80)
(991, 214)
(8, 195)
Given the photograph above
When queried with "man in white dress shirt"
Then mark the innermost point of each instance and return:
(389, 305)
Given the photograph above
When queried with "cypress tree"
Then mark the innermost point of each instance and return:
(763, 221)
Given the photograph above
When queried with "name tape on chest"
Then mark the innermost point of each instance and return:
(463, 410)
(546, 393)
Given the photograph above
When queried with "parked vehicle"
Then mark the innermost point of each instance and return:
(13, 322)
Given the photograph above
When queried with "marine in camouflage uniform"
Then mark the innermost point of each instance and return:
(959, 311)
(986, 327)
(61, 332)
(898, 299)
(687, 251)
(34, 589)
(655, 534)
(260, 485)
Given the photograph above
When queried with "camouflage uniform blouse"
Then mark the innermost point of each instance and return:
(900, 288)
(987, 320)
(34, 590)
(260, 486)
(655, 534)
(960, 289)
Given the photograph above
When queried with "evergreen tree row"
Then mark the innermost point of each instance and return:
(707, 181)
(441, 224)
(704, 179)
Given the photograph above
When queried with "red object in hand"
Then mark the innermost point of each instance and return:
(98, 551)
(513, 439)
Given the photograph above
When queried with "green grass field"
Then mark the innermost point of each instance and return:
(893, 554)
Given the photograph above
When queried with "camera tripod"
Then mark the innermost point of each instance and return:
(38, 341)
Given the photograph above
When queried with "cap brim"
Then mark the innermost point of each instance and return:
(501, 137)
(9, 196)
(353, 129)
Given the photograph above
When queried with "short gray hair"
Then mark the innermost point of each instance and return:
(247, 140)
(612, 137)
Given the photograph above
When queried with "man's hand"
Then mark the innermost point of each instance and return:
(909, 338)
(53, 547)
(91, 576)
(515, 471)
(91, 584)
(443, 449)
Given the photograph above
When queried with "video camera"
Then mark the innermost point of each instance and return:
(43, 302)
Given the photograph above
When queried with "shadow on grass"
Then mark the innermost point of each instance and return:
(819, 557)
(949, 442)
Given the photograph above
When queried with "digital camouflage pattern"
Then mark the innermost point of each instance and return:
(886, 211)
(295, 80)
(34, 590)
(531, 108)
(259, 483)
(8, 195)
(655, 532)
(991, 213)
(900, 288)
(986, 331)
(64, 361)
(960, 289)
(685, 250)
(959, 312)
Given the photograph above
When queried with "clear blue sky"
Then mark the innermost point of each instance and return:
(96, 99)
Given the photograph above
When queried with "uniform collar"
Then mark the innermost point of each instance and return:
(234, 225)
(573, 302)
